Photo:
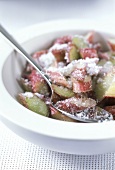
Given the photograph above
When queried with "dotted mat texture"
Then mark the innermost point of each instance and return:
(18, 154)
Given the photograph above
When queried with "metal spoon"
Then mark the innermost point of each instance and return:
(89, 115)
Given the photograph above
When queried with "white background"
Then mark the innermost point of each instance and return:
(17, 14)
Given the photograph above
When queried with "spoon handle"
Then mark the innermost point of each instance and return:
(20, 49)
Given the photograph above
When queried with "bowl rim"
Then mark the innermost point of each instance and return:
(37, 123)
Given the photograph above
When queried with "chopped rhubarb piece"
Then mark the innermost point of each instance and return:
(62, 91)
(90, 37)
(79, 74)
(72, 53)
(97, 46)
(63, 40)
(111, 109)
(73, 105)
(88, 53)
(81, 86)
(58, 78)
(107, 101)
(34, 103)
(106, 68)
(38, 83)
(55, 98)
(37, 54)
(25, 84)
(55, 114)
(104, 55)
(95, 40)
(102, 62)
(105, 86)
(112, 60)
(58, 51)
(59, 54)
(111, 43)
(81, 81)
(80, 42)
(89, 94)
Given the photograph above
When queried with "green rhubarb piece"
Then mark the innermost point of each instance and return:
(25, 84)
(42, 88)
(73, 53)
(102, 62)
(34, 103)
(62, 91)
(80, 42)
(112, 59)
(105, 86)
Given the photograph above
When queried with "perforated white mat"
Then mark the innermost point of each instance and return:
(18, 154)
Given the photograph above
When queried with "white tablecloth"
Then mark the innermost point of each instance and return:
(18, 154)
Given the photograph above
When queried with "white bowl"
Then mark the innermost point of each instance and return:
(67, 137)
